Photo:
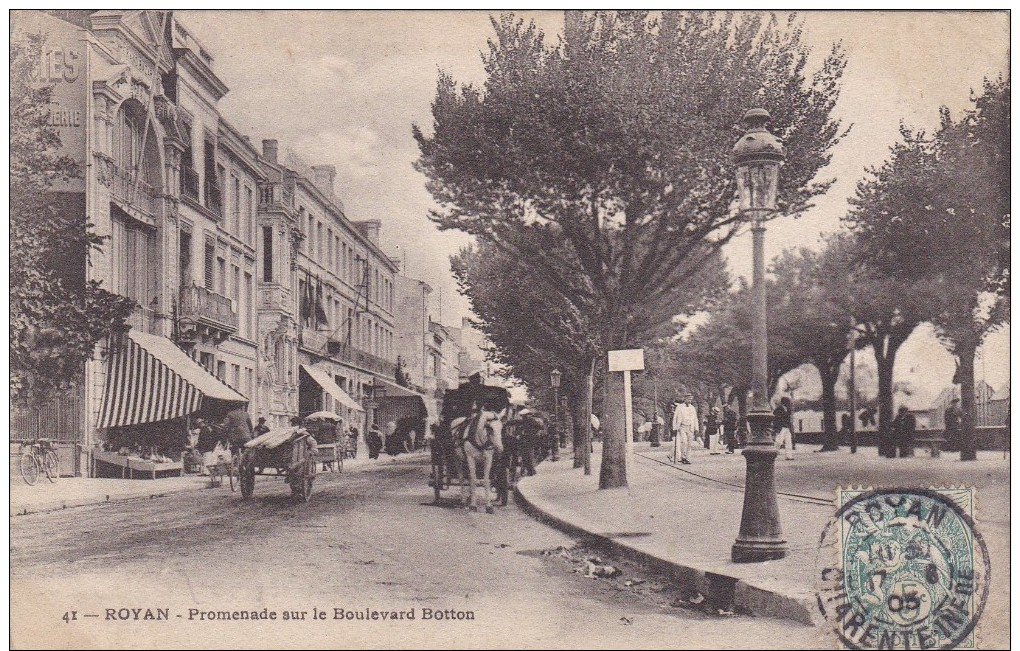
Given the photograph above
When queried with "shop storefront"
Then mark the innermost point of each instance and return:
(153, 393)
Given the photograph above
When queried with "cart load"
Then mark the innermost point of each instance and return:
(291, 452)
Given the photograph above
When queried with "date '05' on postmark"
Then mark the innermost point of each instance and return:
(909, 569)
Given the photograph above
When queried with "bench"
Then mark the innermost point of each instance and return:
(933, 443)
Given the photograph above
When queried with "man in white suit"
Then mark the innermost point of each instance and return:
(685, 426)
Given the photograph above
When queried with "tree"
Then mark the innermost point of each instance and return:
(814, 315)
(616, 142)
(56, 316)
(717, 354)
(937, 213)
(535, 331)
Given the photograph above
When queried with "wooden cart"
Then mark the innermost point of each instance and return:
(291, 455)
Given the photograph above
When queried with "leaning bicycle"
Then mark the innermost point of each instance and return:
(39, 458)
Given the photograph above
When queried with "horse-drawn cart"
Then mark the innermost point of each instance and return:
(461, 413)
(290, 452)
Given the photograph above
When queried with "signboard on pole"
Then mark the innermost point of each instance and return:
(627, 360)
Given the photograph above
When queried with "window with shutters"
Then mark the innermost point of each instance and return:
(267, 254)
(235, 205)
(209, 261)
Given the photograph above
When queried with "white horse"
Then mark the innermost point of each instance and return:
(478, 438)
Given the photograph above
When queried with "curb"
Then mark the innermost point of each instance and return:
(94, 501)
(719, 590)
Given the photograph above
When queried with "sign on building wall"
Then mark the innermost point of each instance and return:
(63, 66)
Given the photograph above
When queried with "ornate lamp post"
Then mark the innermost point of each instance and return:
(758, 156)
(554, 382)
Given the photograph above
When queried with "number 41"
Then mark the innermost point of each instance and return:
(70, 616)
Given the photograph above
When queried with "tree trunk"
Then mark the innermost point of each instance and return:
(829, 428)
(613, 471)
(965, 351)
(577, 413)
(586, 417)
(886, 445)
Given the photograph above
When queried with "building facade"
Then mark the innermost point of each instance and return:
(253, 287)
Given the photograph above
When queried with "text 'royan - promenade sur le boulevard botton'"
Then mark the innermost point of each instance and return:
(266, 614)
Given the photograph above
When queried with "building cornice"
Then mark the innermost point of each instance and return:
(309, 186)
(202, 72)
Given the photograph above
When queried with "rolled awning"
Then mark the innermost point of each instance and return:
(323, 379)
(150, 379)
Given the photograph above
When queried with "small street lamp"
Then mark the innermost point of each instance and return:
(758, 156)
(554, 382)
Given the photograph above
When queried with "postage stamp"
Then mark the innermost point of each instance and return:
(910, 569)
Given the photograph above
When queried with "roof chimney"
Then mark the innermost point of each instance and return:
(270, 150)
(324, 176)
(370, 229)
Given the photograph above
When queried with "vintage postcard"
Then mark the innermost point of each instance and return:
(509, 329)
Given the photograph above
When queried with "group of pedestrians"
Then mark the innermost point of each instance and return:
(722, 428)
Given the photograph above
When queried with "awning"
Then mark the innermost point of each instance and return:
(392, 389)
(150, 379)
(323, 379)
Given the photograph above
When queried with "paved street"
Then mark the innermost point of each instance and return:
(367, 540)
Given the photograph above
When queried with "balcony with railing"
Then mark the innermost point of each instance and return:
(275, 297)
(203, 313)
(133, 193)
(275, 195)
(366, 361)
(314, 341)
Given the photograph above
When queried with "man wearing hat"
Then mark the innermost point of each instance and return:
(685, 426)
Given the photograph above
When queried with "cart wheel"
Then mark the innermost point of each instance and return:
(247, 480)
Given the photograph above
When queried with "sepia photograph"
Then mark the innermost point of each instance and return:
(493, 329)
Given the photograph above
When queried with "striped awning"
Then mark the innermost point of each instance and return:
(150, 379)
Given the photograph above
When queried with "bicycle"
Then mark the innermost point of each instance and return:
(40, 458)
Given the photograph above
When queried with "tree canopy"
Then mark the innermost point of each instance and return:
(612, 147)
(936, 215)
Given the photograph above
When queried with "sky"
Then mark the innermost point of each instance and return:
(344, 88)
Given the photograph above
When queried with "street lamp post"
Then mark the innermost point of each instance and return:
(853, 385)
(758, 156)
(554, 382)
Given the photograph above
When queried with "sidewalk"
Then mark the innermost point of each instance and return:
(70, 492)
(684, 519)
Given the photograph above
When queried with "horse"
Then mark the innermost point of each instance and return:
(478, 439)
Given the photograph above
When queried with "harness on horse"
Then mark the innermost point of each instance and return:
(469, 426)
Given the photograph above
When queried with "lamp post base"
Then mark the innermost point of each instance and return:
(761, 536)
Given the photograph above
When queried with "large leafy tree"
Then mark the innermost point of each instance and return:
(937, 214)
(617, 141)
(56, 316)
(534, 329)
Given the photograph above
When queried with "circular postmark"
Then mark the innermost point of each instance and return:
(903, 569)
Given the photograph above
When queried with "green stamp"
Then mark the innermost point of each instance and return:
(910, 571)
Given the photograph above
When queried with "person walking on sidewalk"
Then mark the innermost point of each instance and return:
(782, 425)
(729, 427)
(904, 427)
(686, 427)
(712, 427)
